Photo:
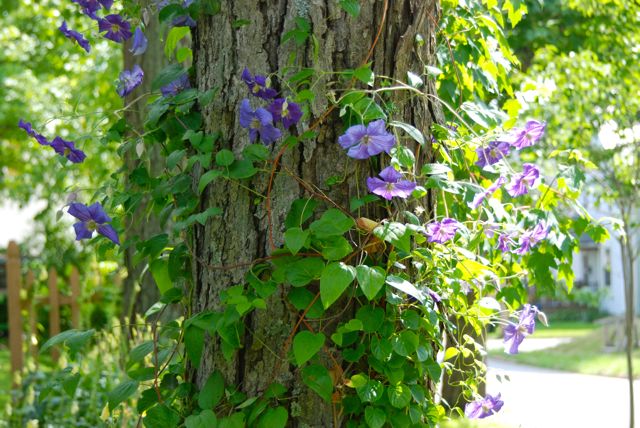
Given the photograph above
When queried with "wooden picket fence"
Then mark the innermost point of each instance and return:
(19, 303)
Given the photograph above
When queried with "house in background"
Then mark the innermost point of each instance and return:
(598, 267)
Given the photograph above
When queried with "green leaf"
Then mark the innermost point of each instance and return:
(175, 35)
(365, 75)
(411, 130)
(212, 391)
(303, 271)
(403, 156)
(334, 280)
(139, 352)
(194, 343)
(160, 271)
(225, 157)
(274, 418)
(174, 158)
(161, 416)
(333, 222)
(399, 395)
(207, 178)
(73, 339)
(295, 238)
(406, 287)
(395, 233)
(70, 384)
(352, 7)
(405, 343)
(183, 54)
(319, 380)
(242, 169)
(369, 390)
(121, 392)
(370, 279)
(167, 75)
(306, 345)
(371, 318)
(301, 210)
(206, 419)
(374, 417)
(335, 248)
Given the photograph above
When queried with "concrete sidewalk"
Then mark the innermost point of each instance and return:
(542, 398)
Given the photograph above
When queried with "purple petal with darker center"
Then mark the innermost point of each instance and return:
(108, 231)
(82, 232)
(80, 211)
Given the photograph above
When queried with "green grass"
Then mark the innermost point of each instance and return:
(585, 354)
(5, 377)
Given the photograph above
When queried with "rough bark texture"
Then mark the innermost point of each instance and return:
(241, 233)
(139, 293)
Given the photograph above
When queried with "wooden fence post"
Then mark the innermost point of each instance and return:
(14, 306)
(30, 305)
(74, 281)
(54, 309)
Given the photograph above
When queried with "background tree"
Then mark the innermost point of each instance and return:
(578, 78)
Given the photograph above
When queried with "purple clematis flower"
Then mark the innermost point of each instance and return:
(363, 142)
(140, 42)
(527, 136)
(505, 240)
(491, 154)
(285, 111)
(478, 198)
(442, 231)
(117, 28)
(92, 218)
(74, 35)
(531, 237)
(259, 123)
(258, 85)
(175, 87)
(29, 130)
(390, 185)
(184, 21)
(521, 182)
(129, 80)
(483, 407)
(514, 334)
(68, 150)
(90, 7)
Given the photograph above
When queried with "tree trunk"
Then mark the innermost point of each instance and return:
(242, 233)
(140, 292)
(629, 284)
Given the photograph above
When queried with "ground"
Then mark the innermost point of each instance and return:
(574, 347)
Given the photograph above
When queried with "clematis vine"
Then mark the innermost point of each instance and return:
(492, 153)
(514, 334)
(175, 87)
(362, 142)
(115, 27)
(521, 182)
(140, 42)
(285, 111)
(259, 123)
(258, 85)
(68, 150)
(75, 36)
(527, 136)
(390, 186)
(483, 407)
(442, 231)
(92, 219)
(505, 240)
(130, 80)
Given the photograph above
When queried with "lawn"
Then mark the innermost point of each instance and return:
(584, 354)
(5, 377)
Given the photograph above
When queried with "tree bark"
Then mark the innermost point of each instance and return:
(140, 291)
(242, 233)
